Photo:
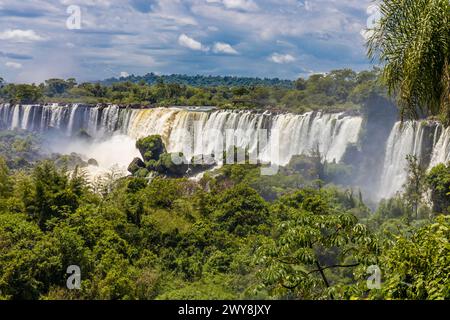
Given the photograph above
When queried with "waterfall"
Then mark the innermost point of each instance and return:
(299, 134)
(26, 116)
(196, 132)
(68, 119)
(330, 134)
(16, 117)
(413, 138)
(73, 113)
(441, 151)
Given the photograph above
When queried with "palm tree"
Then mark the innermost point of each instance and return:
(412, 41)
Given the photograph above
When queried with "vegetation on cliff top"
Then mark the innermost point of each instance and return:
(337, 90)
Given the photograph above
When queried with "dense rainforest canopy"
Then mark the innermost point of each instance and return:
(203, 81)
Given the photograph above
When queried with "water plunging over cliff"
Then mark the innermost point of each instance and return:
(424, 140)
(194, 132)
(298, 134)
(403, 141)
(441, 151)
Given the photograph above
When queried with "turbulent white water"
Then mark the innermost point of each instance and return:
(196, 132)
(403, 141)
(201, 133)
(428, 141)
(116, 151)
(441, 151)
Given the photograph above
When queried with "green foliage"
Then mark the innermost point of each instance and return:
(418, 266)
(54, 194)
(234, 234)
(391, 208)
(438, 180)
(5, 183)
(314, 237)
(338, 90)
(241, 210)
(158, 161)
(136, 165)
(151, 147)
(54, 87)
(412, 39)
(211, 288)
(415, 186)
(20, 149)
(21, 93)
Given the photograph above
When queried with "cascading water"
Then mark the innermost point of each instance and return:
(403, 141)
(441, 151)
(420, 139)
(196, 132)
(329, 133)
(69, 119)
(298, 134)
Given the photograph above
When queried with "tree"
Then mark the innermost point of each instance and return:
(314, 239)
(415, 186)
(438, 180)
(54, 194)
(300, 84)
(23, 93)
(151, 147)
(5, 183)
(417, 266)
(412, 40)
(55, 87)
(241, 210)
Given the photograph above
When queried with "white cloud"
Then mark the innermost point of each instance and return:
(150, 40)
(213, 29)
(245, 5)
(191, 43)
(124, 74)
(90, 3)
(20, 35)
(221, 47)
(281, 58)
(13, 65)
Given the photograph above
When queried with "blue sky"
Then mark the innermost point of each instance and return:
(264, 38)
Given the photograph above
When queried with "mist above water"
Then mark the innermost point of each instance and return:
(112, 153)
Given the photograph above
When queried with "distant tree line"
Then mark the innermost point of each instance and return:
(339, 89)
(203, 81)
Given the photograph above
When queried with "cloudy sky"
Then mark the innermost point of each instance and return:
(265, 38)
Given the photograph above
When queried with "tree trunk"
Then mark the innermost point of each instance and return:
(325, 280)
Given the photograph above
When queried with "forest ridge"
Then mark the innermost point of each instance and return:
(339, 89)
